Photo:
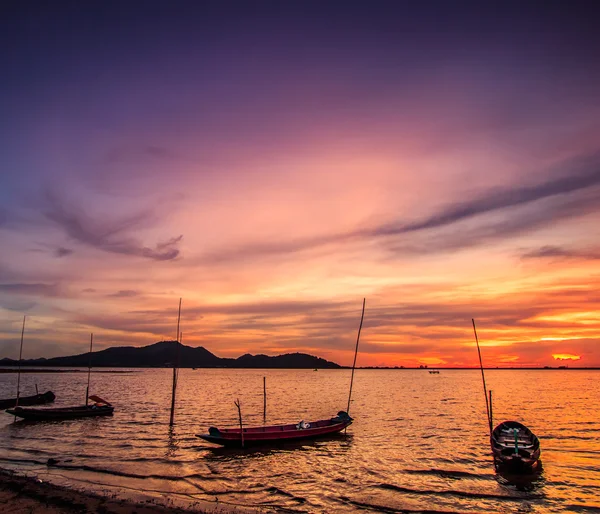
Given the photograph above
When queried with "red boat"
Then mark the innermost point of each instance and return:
(253, 436)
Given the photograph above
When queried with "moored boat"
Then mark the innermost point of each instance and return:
(273, 434)
(515, 447)
(99, 408)
(36, 399)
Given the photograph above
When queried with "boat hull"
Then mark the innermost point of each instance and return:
(255, 436)
(59, 414)
(516, 449)
(36, 399)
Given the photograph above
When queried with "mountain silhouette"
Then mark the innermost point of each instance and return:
(166, 353)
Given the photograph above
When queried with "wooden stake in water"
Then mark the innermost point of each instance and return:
(175, 367)
(19, 370)
(491, 410)
(487, 405)
(264, 400)
(239, 408)
(355, 354)
(87, 390)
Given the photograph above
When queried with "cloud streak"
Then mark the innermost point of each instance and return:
(36, 289)
(555, 196)
(108, 235)
(560, 252)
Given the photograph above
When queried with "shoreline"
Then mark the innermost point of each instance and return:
(23, 494)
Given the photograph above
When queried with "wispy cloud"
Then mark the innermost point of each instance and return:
(124, 293)
(561, 252)
(130, 153)
(61, 251)
(36, 289)
(522, 208)
(108, 235)
(499, 199)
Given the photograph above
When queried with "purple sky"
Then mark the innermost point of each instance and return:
(274, 162)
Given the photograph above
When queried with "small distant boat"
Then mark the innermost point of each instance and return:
(253, 436)
(36, 399)
(99, 408)
(515, 447)
(434, 372)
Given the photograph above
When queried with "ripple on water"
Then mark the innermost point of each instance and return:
(417, 444)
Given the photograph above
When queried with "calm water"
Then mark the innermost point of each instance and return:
(419, 441)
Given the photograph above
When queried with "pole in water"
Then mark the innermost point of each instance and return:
(239, 408)
(175, 368)
(19, 371)
(355, 354)
(87, 391)
(491, 411)
(487, 405)
(264, 400)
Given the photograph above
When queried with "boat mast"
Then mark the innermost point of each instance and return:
(87, 390)
(175, 359)
(355, 354)
(19, 370)
(487, 405)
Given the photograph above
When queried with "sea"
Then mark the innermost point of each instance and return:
(419, 441)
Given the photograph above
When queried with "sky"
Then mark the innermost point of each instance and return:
(274, 163)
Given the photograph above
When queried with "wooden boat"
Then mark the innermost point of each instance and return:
(36, 399)
(99, 408)
(434, 372)
(277, 433)
(515, 447)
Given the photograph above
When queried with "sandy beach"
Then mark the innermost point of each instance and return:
(24, 495)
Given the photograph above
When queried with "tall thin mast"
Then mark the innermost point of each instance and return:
(175, 358)
(487, 405)
(355, 354)
(87, 390)
(20, 358)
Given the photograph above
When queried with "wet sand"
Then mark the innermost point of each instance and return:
(23, 495)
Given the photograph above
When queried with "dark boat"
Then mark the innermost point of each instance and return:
(515, 447)
(36, 399)
(99, 408)
(254, 436)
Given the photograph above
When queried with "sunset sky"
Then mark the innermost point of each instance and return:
(272, 163)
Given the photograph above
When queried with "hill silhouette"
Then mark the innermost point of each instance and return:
(165, 353)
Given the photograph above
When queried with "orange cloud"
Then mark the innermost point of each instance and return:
(565, 357)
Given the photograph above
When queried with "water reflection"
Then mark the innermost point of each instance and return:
(410, 447)
(172, 443)
(522, 481)
(337, 443)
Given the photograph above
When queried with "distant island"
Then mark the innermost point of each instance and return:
(165, 353)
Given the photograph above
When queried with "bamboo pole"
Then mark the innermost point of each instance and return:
(175, 357)
(239, 408)
(87, 390)
(19, 370)
(487, 405)
(355, 354)
(264, 400)
(491, 411)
